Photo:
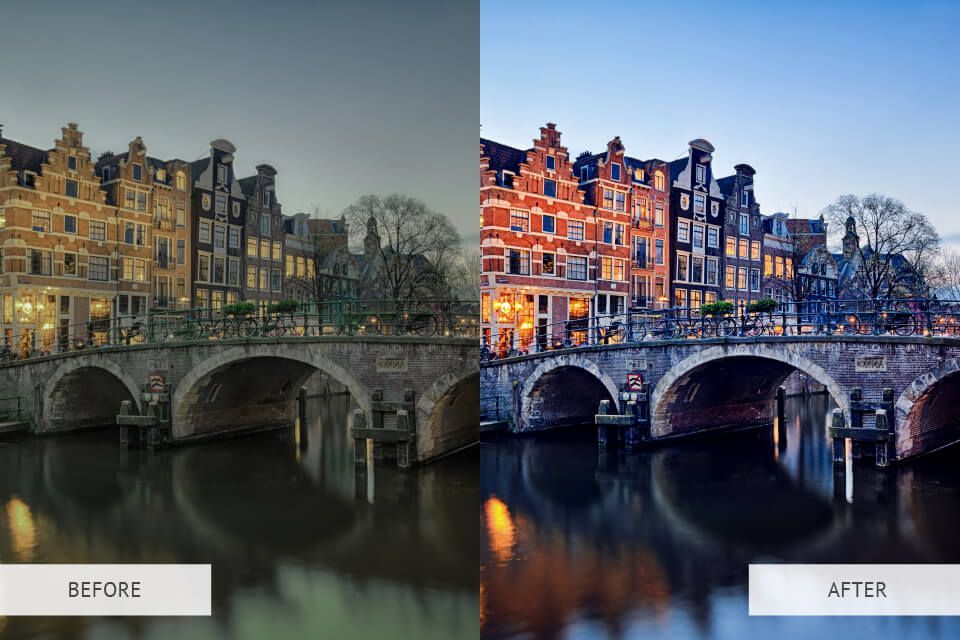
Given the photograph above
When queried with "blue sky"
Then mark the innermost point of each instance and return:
(821, 98)
(344, 99)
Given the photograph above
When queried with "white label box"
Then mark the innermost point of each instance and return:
(105, 589)
(854, 589)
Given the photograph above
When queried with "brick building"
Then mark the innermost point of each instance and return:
(743, 238)
(318, 264)
(538, 244)
(696, 213)
(219, 209)
(649, 233)
(59, 241)
(778, 260)
(265, 234)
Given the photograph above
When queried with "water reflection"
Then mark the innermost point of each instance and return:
(580, 542)
(297, 548)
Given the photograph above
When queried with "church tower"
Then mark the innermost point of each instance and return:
(851, 241)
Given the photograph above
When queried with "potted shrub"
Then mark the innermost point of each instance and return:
(720, 308)
(239, 309)
(763, 305)
(284, 306)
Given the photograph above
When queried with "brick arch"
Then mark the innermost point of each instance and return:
(51, 386)
(548, 366)
(661, 396)
(912, 402)
(186, 393)
(432, 401)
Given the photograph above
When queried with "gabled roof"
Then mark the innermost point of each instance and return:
(24, 156)
(248, 185)
(727, 184)
(677, 167)
(502, 156)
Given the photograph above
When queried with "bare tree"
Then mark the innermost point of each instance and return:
(465, 275)
(896, 246)
(328, 268)
(945, 278)
(412, 247)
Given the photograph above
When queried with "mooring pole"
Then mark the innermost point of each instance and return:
(302, 415)
(781, 424)
(603, 410)
(838, 422)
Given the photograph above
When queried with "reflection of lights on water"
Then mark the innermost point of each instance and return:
(23, 530)
(500, 528)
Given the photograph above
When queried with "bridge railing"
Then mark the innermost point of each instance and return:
(426, 318)
(900, 317)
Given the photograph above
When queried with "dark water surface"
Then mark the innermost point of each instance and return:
(301, 546)
(582, 543)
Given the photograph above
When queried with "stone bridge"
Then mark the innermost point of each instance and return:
(702, 384)
(222, 386)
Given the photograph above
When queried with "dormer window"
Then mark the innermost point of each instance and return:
(701, 173)
(71, 163)
(138, 172)
(551, 163)
(161, 175)
(744, 198)
(638, 175)
(659, 181)
(266, 198)
(584, 174)
(221, 173)
(615, 171)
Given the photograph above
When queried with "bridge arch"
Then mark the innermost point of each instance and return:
(926, 410)
(448, 412)
(84, 392)
(244, 385)
(563, 391)
(692, 396)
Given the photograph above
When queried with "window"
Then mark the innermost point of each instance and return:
(219, 269)
(659, 215)
(584, 174)
(263, 283)
(683, 261)
(701, 173)
(659, 181)
(519, 262)
(289, 268)
(641, 250)
(550, 188)
(638, 175)
(129, 198)
(744, 198)
(233, 273)
(41, 262)
(277, 251)
(618, 234)
(141, 200)
(161, 251)
(696, 296)
(98, 268)
(731, 247)
(265, 225)
(219, 236)
(615, 172)
(575, 229)
(217, 300)
(606, 268)
(134, 269)
(138, 172)
(713, 237)
(181, 251)
(696, 269)
(181, 181)
(98, 230)
(778, 266)
(204, 231)
(551, 163)
(699, 204)
(608, 232)
(69, 266)
(275, 279)
(548, 265)
(264, 249)
(234, 237)
(71, 163)
(731, 275)
(548, 223)
(712, 268)
(203, 268)
(161, 208)
(620, 271)
(680, 297)
(519, 220)
(768, 265)
(659, 251)
(660, 288)
(577, 267)
(221, 204)
(73, 188)
(181, 214)
(698, 236)
(621, 201)
(252, 247)
(755, 250)
(640, 210)
(683, 231)
(744, 224)
(754, 279)
(162, 177)
(40, 221)
(744, 248)
(265, 199)
(251, 277)
(608, 198)
(221, 173)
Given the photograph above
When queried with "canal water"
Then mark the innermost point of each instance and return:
(578, 542)
(301, 545)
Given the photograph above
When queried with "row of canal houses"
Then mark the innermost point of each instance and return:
(86, 242)
(565, 239)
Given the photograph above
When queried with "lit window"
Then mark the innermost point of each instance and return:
(659, 181)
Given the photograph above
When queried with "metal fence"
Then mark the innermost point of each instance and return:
(426, 318)
(907, 317)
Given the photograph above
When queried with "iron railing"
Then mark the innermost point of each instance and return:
(436, 318)
(902, 317)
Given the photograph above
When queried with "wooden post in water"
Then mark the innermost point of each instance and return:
(781, 424)
(302, 415)
(603, 410)
(838, 422)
